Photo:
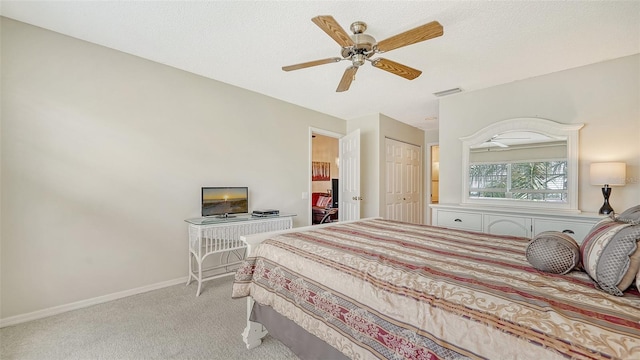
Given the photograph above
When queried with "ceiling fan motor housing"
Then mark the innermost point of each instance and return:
(363, 46)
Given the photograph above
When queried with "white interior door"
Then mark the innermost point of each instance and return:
(393, 180)
(402, 175)
(350, 197)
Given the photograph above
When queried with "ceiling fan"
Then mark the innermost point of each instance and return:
(495, 140)
(360, 47)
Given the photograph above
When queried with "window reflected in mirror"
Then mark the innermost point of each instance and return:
(522, 162)
(520, 165)
(530, 181)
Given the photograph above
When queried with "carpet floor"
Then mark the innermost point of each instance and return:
(169, 323)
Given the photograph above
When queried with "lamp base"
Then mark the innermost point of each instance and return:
(606, 209)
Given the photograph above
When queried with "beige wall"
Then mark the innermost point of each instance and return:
(103, 157)
(604, 96)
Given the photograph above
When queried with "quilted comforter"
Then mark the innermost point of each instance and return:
(385, 289)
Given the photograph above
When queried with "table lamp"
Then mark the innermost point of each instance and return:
(607, 174)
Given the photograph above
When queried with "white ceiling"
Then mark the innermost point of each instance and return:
(245, 43)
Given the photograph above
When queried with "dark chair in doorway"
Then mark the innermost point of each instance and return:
(330, 215)
(322, 210)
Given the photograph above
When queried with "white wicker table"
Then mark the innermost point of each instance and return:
(210, 235)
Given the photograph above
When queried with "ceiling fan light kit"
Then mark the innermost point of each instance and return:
(360, 47)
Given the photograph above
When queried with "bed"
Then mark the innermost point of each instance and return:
(377, 288)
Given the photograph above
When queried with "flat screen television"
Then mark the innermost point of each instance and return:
(224, 201)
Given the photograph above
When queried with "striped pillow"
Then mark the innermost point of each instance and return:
(323, 201)
(610, 255)
(553, 252)
(630, 216)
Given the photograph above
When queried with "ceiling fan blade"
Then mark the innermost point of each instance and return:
(347, 78)
(311, 63)
(396, 68)
(329, 25)
(494, 141)
(415, 35)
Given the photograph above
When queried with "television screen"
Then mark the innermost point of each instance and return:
(221, 201)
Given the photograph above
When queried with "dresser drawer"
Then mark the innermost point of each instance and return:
(507, 225)
(460, 220)
(577, 229)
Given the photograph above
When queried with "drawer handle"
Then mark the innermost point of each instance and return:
(457, 220)
(568, 231)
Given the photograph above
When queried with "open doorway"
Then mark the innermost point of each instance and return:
(433, 177)
(325, 181)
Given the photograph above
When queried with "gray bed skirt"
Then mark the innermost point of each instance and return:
(301, 342)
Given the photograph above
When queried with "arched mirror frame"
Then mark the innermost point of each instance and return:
(543, 126)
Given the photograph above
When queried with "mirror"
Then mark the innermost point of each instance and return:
(522, 162)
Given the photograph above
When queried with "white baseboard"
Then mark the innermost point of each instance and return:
(17, 319)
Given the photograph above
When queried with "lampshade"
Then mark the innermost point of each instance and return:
(608, 173)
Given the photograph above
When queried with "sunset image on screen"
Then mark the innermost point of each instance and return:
(218, 201)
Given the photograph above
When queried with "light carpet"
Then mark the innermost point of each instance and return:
(169, 323)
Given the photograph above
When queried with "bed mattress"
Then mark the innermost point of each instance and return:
(386, 289)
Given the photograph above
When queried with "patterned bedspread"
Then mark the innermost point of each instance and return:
(385, 289)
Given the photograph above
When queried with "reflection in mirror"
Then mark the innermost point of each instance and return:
(520, 165)
(522, 162)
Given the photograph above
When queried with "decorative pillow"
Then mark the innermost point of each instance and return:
(610, 255)
(553, 252)
(630, 216)
(323, 201)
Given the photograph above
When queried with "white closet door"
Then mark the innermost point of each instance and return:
(402, 175)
